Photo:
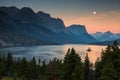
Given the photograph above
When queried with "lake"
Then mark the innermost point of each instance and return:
(52, 51)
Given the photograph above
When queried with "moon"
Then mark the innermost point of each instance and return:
(94, 12)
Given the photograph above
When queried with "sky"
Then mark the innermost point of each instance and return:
(96, 15)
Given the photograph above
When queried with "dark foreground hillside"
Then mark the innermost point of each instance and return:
(70, 68)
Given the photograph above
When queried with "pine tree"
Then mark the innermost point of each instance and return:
(72, 66)
(23, 68)
(86, 68)
(108, 73)
(43, 70)
(3, 68)
(108, 67)
(32, 69)
(39, 68)
(9, 64)
(53, 69)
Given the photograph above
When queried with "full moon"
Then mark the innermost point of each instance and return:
(94, 12)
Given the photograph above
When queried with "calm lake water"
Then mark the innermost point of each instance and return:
(52, 51)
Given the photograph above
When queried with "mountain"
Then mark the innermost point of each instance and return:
(54, 24)
(11, 35)
(11, 11)
(107, 36)
(25, 27)
(106, 42)
(81, 33)
(118, 34)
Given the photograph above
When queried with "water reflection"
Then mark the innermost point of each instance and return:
(49, 52)
(82, 50)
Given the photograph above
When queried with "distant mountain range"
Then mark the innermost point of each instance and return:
(106, 42)
(106, 36)
(24, 27)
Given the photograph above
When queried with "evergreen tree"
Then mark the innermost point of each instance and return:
(9, 64)
(43, 70)
(23, 68)
(53, 69)
(108, 67)
(72, 66)
(87, 68)
(3, 69)
(97, 68)
(108, 73)
(32, 69)
(39, 68)
(15, 76)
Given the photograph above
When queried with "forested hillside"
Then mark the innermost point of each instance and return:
(107, 67)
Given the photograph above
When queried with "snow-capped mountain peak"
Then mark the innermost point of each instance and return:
(106, 36)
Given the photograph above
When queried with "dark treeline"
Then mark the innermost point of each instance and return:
(70, 68)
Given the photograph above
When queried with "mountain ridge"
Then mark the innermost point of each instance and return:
(27, 27)
(106, 42)
(105, 36)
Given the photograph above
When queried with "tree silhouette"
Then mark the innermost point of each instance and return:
(72, 66)
(86, 68)
(108, 67)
